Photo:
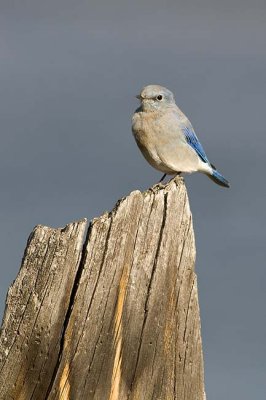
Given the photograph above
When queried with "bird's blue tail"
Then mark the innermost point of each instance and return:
(219, 179)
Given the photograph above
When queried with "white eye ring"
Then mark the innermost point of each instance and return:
(159, 97)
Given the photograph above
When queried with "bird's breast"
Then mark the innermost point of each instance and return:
(146, 129)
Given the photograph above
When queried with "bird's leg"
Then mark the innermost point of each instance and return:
(162, 178)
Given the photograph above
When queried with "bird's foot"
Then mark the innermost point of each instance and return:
(159, 184)
(175, 176)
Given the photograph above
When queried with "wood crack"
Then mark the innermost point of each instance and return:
(69, 310)
(150, 285)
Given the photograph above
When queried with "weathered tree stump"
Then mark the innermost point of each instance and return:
(116, 318)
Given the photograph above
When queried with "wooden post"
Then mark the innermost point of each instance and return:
(114, 319)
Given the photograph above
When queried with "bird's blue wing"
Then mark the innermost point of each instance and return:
(193, 141)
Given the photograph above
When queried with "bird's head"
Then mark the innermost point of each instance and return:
(155, 98)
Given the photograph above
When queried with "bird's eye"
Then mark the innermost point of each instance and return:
(160, 97)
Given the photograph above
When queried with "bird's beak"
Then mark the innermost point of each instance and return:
(138, 96)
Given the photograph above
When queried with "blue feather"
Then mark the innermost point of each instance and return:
(193, 141)
(219, 178)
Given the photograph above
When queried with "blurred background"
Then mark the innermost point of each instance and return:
(69, 71)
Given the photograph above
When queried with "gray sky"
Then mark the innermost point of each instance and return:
(69, 71)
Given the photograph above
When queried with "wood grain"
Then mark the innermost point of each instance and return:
(118, 320)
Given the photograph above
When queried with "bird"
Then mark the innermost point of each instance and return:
(166, 137)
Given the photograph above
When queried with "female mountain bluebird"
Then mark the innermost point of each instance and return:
(166, 138)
